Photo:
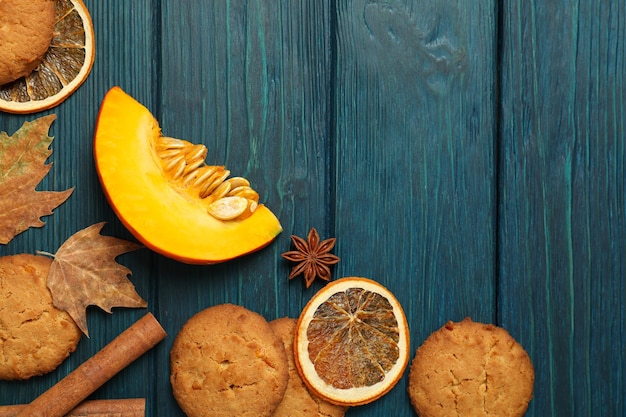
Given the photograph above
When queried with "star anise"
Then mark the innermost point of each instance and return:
(313, 257)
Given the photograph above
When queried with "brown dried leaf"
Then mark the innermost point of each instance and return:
(22, 167)
(84, 273)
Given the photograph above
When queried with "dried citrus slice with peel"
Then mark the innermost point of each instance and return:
(64, 68)
(351, 345)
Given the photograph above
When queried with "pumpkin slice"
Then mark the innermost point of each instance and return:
(167, 197)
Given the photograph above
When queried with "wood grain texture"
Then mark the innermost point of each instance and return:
(468, 155)
(414, 160)
(250, 80)
(562, 236)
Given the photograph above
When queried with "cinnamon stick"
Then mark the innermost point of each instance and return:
(66, 394)
(132, 407)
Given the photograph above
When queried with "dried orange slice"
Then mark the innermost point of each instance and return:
(351, 345)
(64, 68)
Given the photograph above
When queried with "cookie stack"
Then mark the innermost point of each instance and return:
(229, 361)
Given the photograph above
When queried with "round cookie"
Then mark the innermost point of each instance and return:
(35, 336)
(226, 361)
(26, 30)
(470, 369)
(298, 400)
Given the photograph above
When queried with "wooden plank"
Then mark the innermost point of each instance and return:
(124, 52)
(414, 165)
(250, 80)
(562, 212)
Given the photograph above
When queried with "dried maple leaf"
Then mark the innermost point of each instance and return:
(84, 273)
(22, 167)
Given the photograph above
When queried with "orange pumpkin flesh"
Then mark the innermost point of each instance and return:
(159, 212)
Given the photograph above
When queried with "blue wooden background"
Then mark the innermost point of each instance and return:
(470, 155)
